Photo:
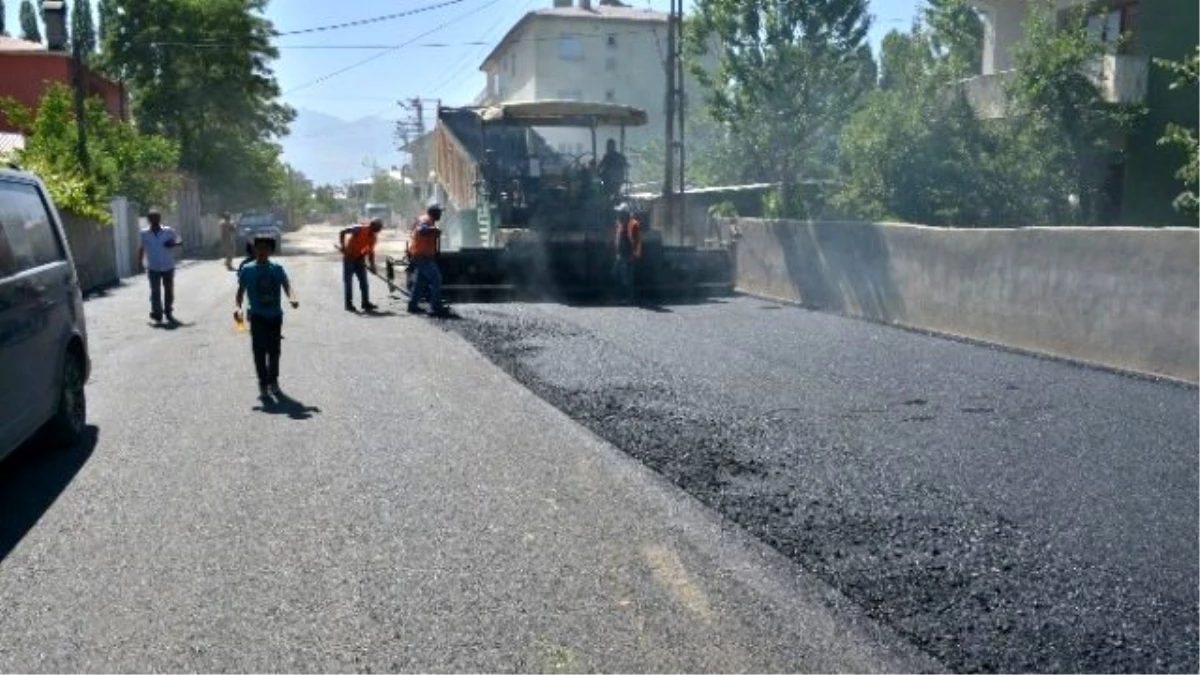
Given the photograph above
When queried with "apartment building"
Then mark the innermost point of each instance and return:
(1140, 186)
(590, 50)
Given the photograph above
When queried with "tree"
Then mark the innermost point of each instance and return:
(123, 162)
(956, 35)
(29, 22)
(220, 105)
(1186, 75)
(789, 74)
(1057, 107)
(3, 28)
(915, 150)
(106, 11)
(83, 28)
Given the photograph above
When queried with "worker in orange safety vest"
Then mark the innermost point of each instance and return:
(357, 245)
(424, 244)
(629, 251)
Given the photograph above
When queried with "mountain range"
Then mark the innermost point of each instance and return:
(331, 150)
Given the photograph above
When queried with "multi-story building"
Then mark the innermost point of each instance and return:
(1142, 184)
(590, 50)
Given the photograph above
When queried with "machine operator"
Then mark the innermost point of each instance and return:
(613, 169)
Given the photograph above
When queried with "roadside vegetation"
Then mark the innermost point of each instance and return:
(204, 100)
(1180, 137)
(122, 162)
(798, 100)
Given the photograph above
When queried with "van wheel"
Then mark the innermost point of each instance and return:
(70, 420)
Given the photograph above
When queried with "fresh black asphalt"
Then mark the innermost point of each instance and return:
(1001, 511)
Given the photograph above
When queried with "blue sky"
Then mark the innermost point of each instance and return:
(448, 72)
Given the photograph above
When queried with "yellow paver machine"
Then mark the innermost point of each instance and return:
(536, 222)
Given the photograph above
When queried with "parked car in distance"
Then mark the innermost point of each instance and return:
(254, 224)
(44, 362)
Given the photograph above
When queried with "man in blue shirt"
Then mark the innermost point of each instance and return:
(264, 282)
(156, 248)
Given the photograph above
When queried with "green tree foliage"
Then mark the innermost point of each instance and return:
(123, 162)
(788, 76)
(3, 20)
(83, 28)
(955, 35)
(1057, 105)
(917, 152)
(1185, 73)
(326, 202)
(714, 156)
(201, 75)
(106, 13)
(30, 30)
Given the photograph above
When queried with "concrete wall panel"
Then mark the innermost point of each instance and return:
(1119, 297)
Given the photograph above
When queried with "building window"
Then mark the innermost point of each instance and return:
(612, 40)
(570, 48)
(1115, 27)
(610, 96)
(610, 64)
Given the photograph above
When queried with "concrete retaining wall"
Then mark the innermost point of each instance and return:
(1119, 297)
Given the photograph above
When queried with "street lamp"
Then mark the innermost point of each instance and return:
(54, 13)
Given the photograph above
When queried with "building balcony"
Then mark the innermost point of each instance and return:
(1121, 79)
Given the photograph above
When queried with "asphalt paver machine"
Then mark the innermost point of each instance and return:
(546, 218)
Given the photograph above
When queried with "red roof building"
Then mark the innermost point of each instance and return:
(27, 69)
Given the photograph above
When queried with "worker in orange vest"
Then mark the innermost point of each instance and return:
(424, 244)
(629, 250)
(357, 245)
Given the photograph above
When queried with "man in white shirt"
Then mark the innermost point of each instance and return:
(156, 244)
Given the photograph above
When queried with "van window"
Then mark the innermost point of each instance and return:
(8, 266)
(27, 226)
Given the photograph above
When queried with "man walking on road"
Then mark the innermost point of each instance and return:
(262, 281)
(423, 246)
(358, 255)
(156, 244)
(228, 237)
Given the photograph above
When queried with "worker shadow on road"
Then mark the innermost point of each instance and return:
(32, 478)
(282, 404)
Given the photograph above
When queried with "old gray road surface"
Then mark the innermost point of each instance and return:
(1005, 512)
(410, 508)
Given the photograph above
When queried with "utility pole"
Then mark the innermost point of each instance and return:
(54, 14)
(672, 195)
(669, 171)
(680, 109)
(420, 168)
(80, 125)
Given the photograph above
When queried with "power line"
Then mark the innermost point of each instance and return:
(465, 62)
(356, 64)
(361, 46)
(375, 19)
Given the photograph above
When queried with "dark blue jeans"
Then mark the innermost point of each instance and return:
(428, 277)
(351, 269)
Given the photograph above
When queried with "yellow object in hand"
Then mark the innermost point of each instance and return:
(239, 322)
